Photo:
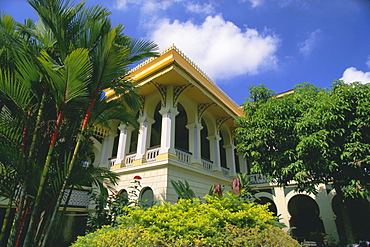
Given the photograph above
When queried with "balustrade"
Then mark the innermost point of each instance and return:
(183, 156)
(129, 159)
(225, 171)
(207, 165)
(152, 154)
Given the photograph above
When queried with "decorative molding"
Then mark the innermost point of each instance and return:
(163, 91)
(220, 121)
(142, 103)
(177, 92)
(202, 107)
(194, 65)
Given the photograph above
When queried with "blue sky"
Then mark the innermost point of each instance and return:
(238, 43)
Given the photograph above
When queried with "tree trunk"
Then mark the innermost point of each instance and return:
(345, 215)
(6, 220)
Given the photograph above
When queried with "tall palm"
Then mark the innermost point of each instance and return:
(78, 55)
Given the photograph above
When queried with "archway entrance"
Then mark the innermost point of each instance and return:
(359, 214)
(264, 200)
(305, 219)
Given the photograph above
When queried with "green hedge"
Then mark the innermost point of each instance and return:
(223, 221)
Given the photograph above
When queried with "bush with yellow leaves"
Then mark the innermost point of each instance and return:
(221, 221)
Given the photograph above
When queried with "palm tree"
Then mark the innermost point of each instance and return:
(61, 66)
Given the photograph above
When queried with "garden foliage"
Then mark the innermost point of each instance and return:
(221, 221)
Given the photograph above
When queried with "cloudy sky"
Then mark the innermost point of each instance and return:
(238, 43)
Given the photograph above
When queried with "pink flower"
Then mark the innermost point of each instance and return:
(236, 186)
(217, 189)
(137, 177)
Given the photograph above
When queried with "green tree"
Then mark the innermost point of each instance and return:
(312, 136)
(52, 78)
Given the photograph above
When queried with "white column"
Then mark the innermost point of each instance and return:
(326, 213)
(230, 158)
(142, 138)
(215, 151)
(168, 130)
(122, 142)
(282, 207)
(195, 142)
(242, 163)
(107, 147)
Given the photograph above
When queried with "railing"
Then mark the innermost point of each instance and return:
(152, 154)
(207, 165)
(257, 178)
(111, 162)
(183, 156)
(129, 159)
(225, 171)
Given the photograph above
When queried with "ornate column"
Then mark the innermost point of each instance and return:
(107, 147)
(168, 130)
(230, 158)
(145, 122)
(242, 163)
(326, 213)
(122, 142)
(215, 151)
(195, 142)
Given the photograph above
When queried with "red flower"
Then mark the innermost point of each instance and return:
(137, 177)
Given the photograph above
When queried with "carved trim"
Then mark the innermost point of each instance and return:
(142, 103)
(202, 107)
(162, 90)
(220, 121)
(177, 92)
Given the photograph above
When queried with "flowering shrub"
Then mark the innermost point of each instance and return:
(221, 221)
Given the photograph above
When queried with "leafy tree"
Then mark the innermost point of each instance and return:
(221, 221)
(52, 78)
(312, 136)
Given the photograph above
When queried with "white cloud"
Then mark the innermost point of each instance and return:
(368, 61)
(219, 47)
(307, 46)
(146, 6)
(352, 74)
(256, 3)
(198, 8)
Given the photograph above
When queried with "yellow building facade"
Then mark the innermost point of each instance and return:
(186, 127)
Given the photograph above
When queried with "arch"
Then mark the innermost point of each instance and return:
(124, 196)
(146, 197)
(264, 200)
(156, 128)
(210, 121)
(305, 219)
(181, 132)
(223, 159)
(190, 108)
(205, 146)
(359, 214)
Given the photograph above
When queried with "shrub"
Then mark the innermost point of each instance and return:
(223, 221)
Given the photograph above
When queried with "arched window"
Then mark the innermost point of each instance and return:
(222, 152)
(204, 142)
(134, 138)
(146, 198)
(115, 143)
(181, 132)
(155, 137)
